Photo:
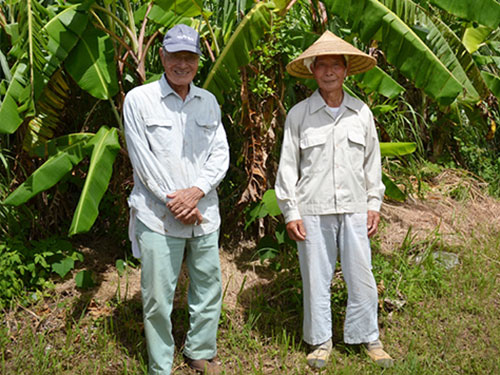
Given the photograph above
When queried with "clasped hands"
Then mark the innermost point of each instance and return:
(183, 204)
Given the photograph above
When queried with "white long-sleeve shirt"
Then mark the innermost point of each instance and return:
(329, 164)
(172, 145)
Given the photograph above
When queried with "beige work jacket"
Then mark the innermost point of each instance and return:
(329, 165)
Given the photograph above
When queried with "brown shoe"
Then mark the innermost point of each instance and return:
(376, 352)
(204, 366)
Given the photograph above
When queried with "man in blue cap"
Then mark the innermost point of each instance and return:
(179, 154)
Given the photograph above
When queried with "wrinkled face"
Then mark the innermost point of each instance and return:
(180, 67)
(329, 71)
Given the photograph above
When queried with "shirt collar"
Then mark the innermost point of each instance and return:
(166, 89)
(317, 102)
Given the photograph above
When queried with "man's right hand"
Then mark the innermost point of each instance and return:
(193, 217)
(296, 230)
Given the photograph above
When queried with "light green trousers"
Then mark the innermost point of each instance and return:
(161, 263)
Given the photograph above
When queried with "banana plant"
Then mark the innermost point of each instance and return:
(65, 153)
(101, 45)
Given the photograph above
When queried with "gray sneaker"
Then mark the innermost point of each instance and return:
(318, 357)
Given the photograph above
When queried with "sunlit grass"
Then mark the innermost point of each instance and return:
(448, 323)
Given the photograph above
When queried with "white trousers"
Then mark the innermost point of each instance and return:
(325, 235)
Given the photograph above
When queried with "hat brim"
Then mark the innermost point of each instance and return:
(330, 44)
(182, 47)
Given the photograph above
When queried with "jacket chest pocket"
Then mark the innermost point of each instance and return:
(313, 152)
(160, 134)
(356, 147)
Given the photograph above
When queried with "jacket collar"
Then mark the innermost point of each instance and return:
(316, 102)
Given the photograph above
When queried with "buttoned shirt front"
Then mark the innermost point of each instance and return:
(329, 164)
(174, 144)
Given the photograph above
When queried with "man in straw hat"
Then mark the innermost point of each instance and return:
(179, 154)
(330, 190)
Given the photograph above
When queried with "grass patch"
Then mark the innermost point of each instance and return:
(448, 323)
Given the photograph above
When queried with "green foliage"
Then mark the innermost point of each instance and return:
(29, 267)
(276, 248)
(485, 12)
(224, 73)
(480, 155)
(403, 48)
(267, 206)
(376, 80)
(84, 279)
(11, 285)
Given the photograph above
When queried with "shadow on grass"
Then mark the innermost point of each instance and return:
(123, 319)
(276, 305)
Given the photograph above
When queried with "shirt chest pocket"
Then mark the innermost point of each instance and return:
(313, 152)
(160, 134)
(204, 133)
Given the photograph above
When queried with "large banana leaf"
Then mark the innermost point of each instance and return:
(26, 82)
(403, 48)
(92, 65)
(397, 148)
(493, 83)
(163, 9)
(17, 101)
(168, 13)
(4, 66)
(224, 74)
(47, 119)
(50, 172)
(485, 12)
(437, 39)
(53, 146)
(474, 37)
(36, 44)
(62, 32)
(105, 147)
(465, 60)
(376, 80)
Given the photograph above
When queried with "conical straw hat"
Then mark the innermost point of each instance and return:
(330, 44)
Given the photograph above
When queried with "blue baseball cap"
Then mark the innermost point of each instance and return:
(182, 38)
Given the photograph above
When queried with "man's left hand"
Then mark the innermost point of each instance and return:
(184, 201)
(372, 222)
